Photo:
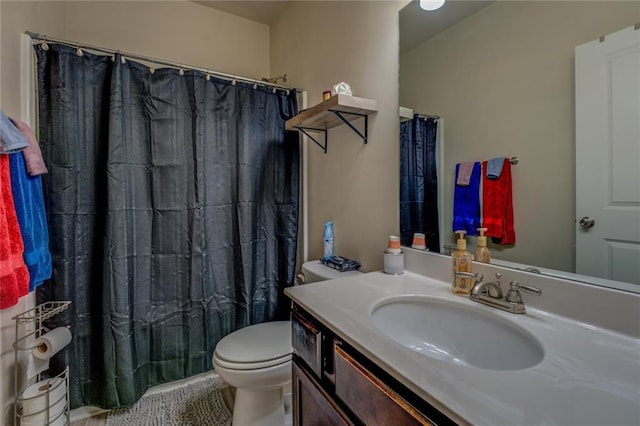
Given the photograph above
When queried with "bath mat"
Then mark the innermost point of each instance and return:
(197, 403)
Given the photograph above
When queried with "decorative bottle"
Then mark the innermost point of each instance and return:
(461, 263)
(482, 253)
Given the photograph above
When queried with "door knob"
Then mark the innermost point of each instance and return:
(587, 222)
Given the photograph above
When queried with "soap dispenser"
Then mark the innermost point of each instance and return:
(482, 253)
(461, 263)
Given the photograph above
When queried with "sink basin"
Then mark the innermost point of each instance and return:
(457, 333)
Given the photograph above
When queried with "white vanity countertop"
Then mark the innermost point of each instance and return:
(588, 376)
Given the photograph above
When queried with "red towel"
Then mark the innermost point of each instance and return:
(14, 275)
(497, 205)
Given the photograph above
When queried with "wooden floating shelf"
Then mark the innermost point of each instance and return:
(337, 110)
(322, 116)
(405, 114)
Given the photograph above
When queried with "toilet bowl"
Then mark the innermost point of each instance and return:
(256, 360)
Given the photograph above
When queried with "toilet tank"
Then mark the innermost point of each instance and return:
(314, 271)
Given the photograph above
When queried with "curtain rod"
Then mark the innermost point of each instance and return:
(45, 38)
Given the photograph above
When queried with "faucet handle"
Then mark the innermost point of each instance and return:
(513, 295)
(498, 276)
(529, 289)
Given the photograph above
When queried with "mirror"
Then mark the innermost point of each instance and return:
(501, 76)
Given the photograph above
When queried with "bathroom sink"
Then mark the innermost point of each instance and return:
(457, 333)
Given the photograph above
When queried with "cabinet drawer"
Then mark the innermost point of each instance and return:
(312, 406)
(306, 339)
(369, 398)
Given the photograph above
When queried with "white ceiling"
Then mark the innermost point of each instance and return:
(416, 25)
(265, 11)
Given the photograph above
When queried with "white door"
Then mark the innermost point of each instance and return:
(608, 157)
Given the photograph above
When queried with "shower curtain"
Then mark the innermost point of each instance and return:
(173, 208)
(419, 181)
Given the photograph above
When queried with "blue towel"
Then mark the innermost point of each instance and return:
(494, 167)
(11, 139)
(29, 203)
(466, 203)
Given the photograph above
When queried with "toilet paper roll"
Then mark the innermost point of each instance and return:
(35, 404)
(51, 343)
(36, 366)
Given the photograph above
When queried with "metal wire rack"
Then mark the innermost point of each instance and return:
(55, 409)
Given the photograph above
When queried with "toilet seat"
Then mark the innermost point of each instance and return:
(257, 346)
(231, 365)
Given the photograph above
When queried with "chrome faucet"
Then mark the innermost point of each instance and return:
(491, 289)
(490, 293)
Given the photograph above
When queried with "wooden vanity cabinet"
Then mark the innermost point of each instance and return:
(312, 406)
(333, 384)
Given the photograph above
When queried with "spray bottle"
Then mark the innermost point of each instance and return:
(328, 239)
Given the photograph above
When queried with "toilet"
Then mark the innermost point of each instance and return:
(256, 360)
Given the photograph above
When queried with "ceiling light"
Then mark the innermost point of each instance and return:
(431, 4)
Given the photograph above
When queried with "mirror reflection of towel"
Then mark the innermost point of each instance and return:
(466, 202)
(494, 167)
(497, 205)
(464, 173)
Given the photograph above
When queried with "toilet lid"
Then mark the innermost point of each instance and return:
(257, 344)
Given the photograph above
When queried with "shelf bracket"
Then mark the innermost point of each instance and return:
(306, 130)
(348, 123)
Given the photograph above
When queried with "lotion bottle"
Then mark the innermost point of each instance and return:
(482, 253)
(461, 263)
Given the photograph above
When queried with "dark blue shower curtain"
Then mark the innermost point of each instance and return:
(419, 181)
(173, 209)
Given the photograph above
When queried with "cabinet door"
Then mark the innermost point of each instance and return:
(311, 405)
(369, 398)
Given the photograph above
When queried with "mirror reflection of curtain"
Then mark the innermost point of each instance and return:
(419, 181)
(173, 210)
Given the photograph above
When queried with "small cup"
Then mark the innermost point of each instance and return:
(394, 244)
(419, 241)
(326, 95)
